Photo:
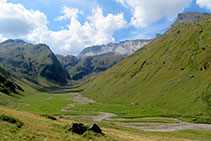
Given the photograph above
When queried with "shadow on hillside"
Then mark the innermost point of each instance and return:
(62, 89)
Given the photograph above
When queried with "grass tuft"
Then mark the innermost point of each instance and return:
(49, 116)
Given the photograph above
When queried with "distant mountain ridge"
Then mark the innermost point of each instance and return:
(32, 61)
(95, 59)
(123, 48)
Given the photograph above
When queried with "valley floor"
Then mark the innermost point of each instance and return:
(69, 107)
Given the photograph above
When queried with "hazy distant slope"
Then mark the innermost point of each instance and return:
(93, 65)
(32, 61)
(86, 67)
(68, 61)
(167, 76)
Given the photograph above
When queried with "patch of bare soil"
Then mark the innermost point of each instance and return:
(83, 100)
(167, 127)
(68, 106)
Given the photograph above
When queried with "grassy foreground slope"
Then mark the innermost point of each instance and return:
(36, 127)
(166, 77)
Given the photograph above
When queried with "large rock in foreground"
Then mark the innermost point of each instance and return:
(80, 128)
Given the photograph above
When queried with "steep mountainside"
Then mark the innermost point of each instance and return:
(68, 61)
(93, 65)
(13, 87)
(123, 48)
(32, 61)
(88, 66)
(95, 59)
(7, 86)
(169, 76)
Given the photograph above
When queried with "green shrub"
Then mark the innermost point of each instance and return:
(12, 120)
(49, 116)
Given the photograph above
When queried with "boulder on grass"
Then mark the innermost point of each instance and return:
(95, 128)
(78, 128)
(194, 119)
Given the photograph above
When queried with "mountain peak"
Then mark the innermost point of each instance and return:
(32, 61)
(124, 48)
(189, 17)
(14, 41)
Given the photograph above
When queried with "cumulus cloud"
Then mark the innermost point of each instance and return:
(204, 3)
(98, 29)
(32, 25)
(2, 38)
(148, 11)
(68, 13)
(3, 1)
(15, 20)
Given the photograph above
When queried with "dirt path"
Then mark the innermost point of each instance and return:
(77, 99)
(103, 116)
(166, 127)
(146, 126)
(82, 100)
(68, 106)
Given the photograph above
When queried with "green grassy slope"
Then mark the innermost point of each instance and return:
(93, 65)
(83, 69)
(166, 77)
(13, 87)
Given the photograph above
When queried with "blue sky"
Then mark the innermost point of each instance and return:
(68, 26)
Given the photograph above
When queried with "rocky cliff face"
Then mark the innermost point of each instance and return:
(123, 48)
(32, 61)
(190, 17)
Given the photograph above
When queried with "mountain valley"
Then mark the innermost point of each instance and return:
(158, 89)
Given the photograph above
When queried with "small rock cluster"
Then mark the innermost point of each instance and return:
(80, 128)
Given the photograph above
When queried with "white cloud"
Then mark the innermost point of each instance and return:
(148, 11)
(15, 20)
(98, 29)
(2, 38)
(105, 26)
(204, 3)
(32, 25)
(68, 13)
(3, 1)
